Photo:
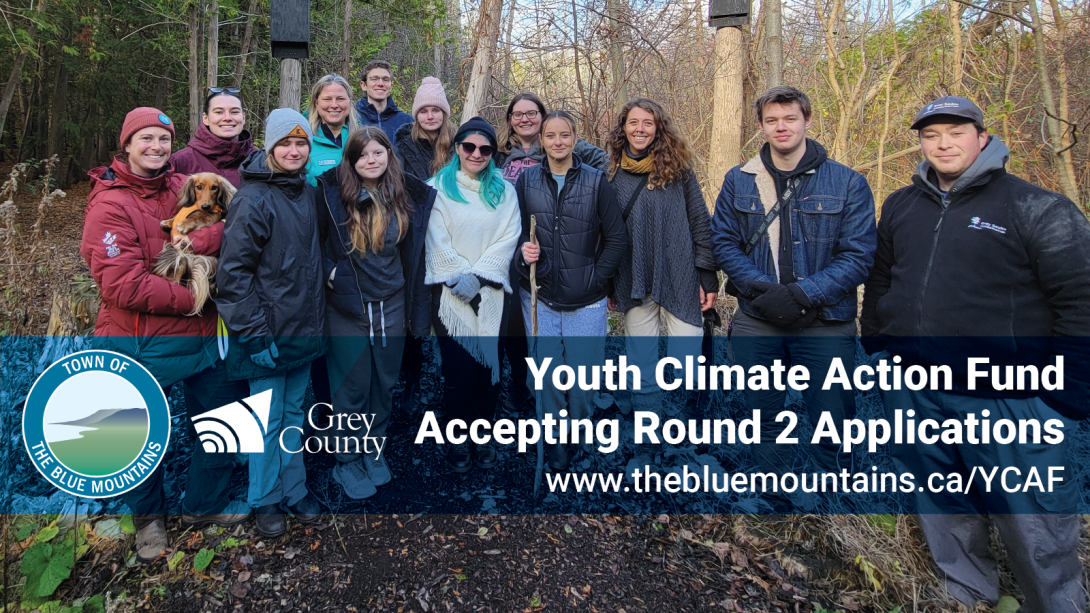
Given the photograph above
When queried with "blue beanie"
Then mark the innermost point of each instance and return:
(283, 123)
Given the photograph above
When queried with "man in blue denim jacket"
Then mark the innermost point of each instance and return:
(795, 273)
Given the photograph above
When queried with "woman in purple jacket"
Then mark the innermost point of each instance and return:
(221, 142)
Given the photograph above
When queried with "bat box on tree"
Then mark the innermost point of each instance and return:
(289, 28)
(726, 13)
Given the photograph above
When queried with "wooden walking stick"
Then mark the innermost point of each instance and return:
(540, 469)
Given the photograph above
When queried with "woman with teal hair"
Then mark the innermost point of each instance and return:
(472, 235)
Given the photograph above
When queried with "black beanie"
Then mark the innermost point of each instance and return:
(477, 124)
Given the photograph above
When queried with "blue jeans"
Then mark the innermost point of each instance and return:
(277, 476)
(756, 341)
(570, 338)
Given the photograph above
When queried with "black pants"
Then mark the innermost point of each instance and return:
(513, 344)
(468, 391)
(209, 473)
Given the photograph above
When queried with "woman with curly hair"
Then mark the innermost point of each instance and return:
(668, 269)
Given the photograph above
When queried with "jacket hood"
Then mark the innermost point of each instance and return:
(366, 109)
(256, 169)
(517, 152)
(994, 157)
(404, 135)
(222, 153)
(118, 175)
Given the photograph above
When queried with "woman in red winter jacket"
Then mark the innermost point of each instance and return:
(144, 316)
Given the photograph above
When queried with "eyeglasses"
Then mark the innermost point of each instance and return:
(224, 90)
(469, 148)
(528, 115)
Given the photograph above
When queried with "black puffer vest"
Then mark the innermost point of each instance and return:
(569, 235)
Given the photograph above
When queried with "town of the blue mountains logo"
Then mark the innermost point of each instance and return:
(97, 442)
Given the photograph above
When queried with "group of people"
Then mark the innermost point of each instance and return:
(359, 230)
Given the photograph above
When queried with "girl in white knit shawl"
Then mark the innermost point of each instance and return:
(472, 235)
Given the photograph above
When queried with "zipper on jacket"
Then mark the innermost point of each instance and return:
(359, 291)
(931, 258)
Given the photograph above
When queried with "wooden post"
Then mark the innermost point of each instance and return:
(727, 106)
(291, 82)
(773, 11)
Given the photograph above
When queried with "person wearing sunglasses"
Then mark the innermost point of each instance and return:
(221, 142)
(472, 235)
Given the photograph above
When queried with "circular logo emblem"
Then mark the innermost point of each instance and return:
(96, 424)
(163, 118)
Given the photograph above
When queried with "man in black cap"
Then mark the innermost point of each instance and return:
(975, 262)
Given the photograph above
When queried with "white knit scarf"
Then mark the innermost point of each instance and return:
(472, 238)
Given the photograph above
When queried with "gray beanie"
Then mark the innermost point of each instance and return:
(283, 123)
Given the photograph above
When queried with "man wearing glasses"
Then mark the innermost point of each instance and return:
(376, 107)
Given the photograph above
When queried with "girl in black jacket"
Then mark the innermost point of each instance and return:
(425, 146)
(581, 239)
(372, 223)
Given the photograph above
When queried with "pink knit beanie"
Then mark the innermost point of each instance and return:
(430, 93)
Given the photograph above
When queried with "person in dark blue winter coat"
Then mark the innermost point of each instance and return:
(376, 107)
(373, 219)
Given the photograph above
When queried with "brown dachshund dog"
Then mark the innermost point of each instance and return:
(203, 202)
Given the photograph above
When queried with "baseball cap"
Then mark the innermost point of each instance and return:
(949, 106)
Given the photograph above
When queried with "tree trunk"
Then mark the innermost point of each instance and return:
(488, 32)
(214, 44)
(162, 88)
(346, 43)
(87, 151)
(1064, 168)
(615, 11)
(194, 69)
(957, 65)
(290, 83)
(17, 71)
(774, 40)
(1065, 90)
(727, 105)
(506, 81)
(578, 76)
(55, 146)
(247, 42)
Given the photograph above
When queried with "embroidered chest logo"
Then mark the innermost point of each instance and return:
(976, 224)
(112, 250)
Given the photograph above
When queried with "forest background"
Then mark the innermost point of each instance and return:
(74, 68)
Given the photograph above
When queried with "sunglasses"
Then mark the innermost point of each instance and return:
(224, 90)
(469, 148)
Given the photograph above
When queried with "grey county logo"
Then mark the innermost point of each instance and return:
(96, 424)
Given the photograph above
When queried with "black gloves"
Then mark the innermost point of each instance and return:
(785, 306)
